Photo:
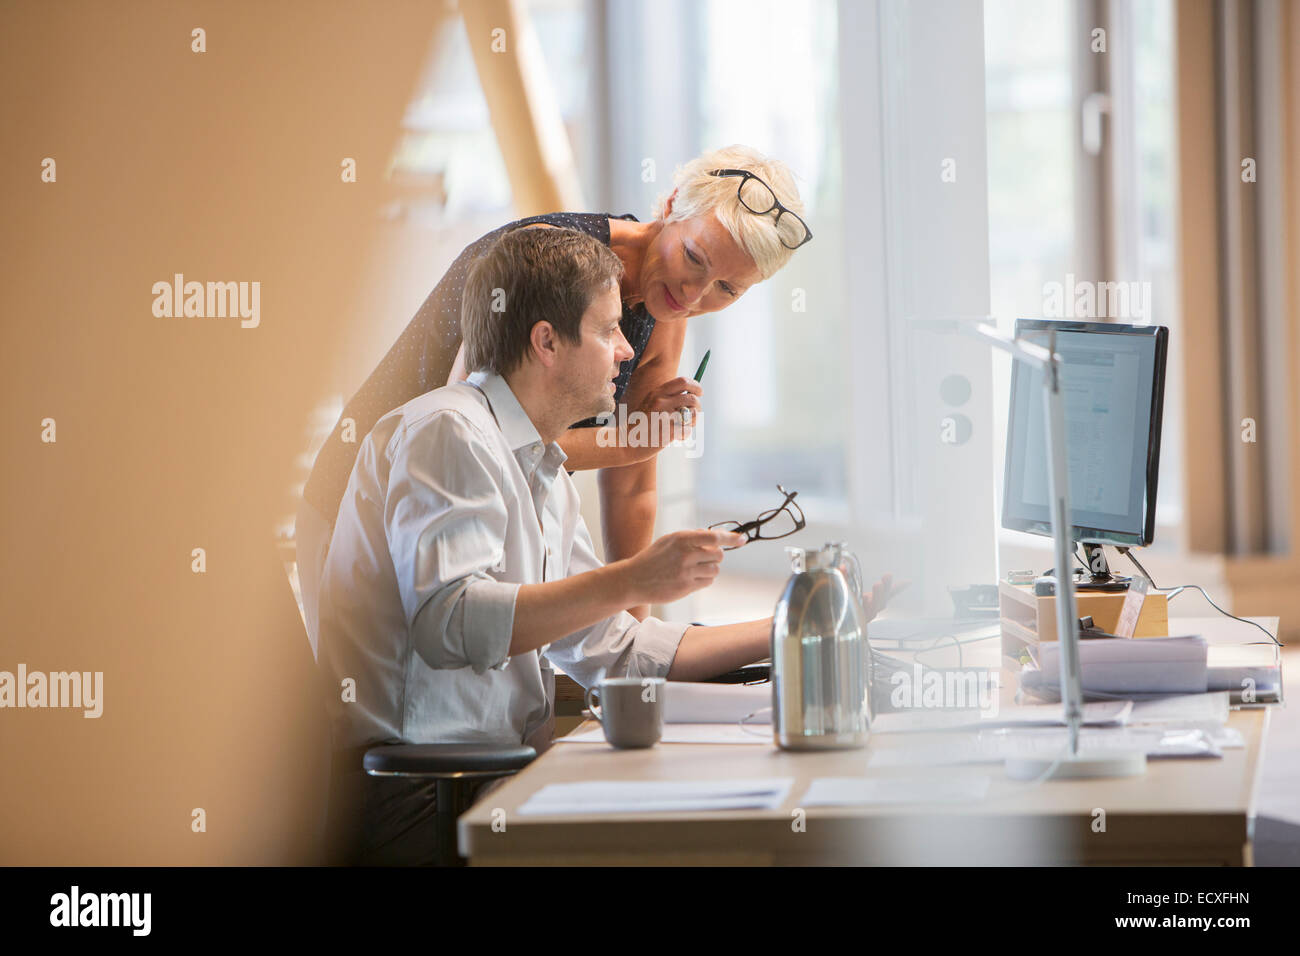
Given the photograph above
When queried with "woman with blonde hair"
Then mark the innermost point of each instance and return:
(732, 219)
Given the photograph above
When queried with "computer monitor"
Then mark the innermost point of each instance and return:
(1113, 386)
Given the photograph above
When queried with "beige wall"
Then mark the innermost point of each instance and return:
(174, 433)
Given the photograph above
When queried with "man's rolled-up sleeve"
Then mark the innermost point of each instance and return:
(618, 646)
(446, 521)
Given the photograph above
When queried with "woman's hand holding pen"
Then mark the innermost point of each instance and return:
(672, 410)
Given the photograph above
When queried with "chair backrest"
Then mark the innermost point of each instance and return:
(331, 813)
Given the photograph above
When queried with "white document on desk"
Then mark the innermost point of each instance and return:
(688, 734)
(702, 703)
(1200, 710)
(866, 791)
(654, 796)
(1106, 713)
(995, 746)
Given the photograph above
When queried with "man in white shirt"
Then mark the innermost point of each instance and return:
(460, 566)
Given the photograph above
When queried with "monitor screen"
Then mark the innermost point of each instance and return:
(1112, 380)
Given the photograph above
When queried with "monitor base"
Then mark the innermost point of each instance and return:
(1045, 586)
(1083, 581)
(1077, 767)
(1095, 576)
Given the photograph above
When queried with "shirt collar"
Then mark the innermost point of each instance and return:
(516, 426)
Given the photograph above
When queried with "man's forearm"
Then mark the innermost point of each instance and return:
(544, 613)
(709, 651)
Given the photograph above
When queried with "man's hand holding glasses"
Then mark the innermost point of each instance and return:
(779, 522)
(675, 565)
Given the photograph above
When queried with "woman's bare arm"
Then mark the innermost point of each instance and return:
(628, 521)
(629, 494)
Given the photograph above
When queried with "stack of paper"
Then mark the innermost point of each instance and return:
(1251, 672)
(640, 796)
(1117, 665)
(702, 703)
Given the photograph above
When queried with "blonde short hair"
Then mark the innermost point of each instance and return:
(699, 193)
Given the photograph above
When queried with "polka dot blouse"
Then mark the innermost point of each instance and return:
(422, 357)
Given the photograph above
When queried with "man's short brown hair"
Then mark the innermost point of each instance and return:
(530, 276)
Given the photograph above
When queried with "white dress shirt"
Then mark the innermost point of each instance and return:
(453, 503)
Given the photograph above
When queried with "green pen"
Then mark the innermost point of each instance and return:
(687, 417)
(699, 372)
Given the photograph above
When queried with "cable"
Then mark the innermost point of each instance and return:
(1179, 589)
(744, 727)
(909, 647)
(916, 656)
(908, 643)
(1175, 591)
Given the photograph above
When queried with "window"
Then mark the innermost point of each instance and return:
(779, 373)
(1059, 210)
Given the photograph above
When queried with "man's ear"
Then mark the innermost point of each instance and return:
(545, 343)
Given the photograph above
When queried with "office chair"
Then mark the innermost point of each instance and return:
(458, 772)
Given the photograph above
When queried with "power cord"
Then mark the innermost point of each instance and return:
(1175, 591)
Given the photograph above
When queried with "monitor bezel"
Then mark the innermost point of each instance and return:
(1081, 533)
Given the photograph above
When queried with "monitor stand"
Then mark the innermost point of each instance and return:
(1098, 578)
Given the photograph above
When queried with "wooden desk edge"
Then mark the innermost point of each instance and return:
(1223, 834)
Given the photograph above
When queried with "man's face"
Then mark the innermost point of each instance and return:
(590, 367)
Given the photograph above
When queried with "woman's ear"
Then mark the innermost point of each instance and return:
(668, 204)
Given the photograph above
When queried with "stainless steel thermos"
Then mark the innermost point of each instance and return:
(821, 661)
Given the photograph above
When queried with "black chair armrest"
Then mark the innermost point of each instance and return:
(447, 760)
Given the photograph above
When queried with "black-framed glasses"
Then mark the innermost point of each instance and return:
(776, 523)
(759, 198)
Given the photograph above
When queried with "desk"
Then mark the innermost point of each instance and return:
(1196, 812)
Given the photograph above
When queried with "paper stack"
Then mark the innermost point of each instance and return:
(1117, 666)
(703, 703)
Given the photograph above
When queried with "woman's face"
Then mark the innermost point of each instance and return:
(694, 266)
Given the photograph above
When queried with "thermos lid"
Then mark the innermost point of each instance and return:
(827, 556)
